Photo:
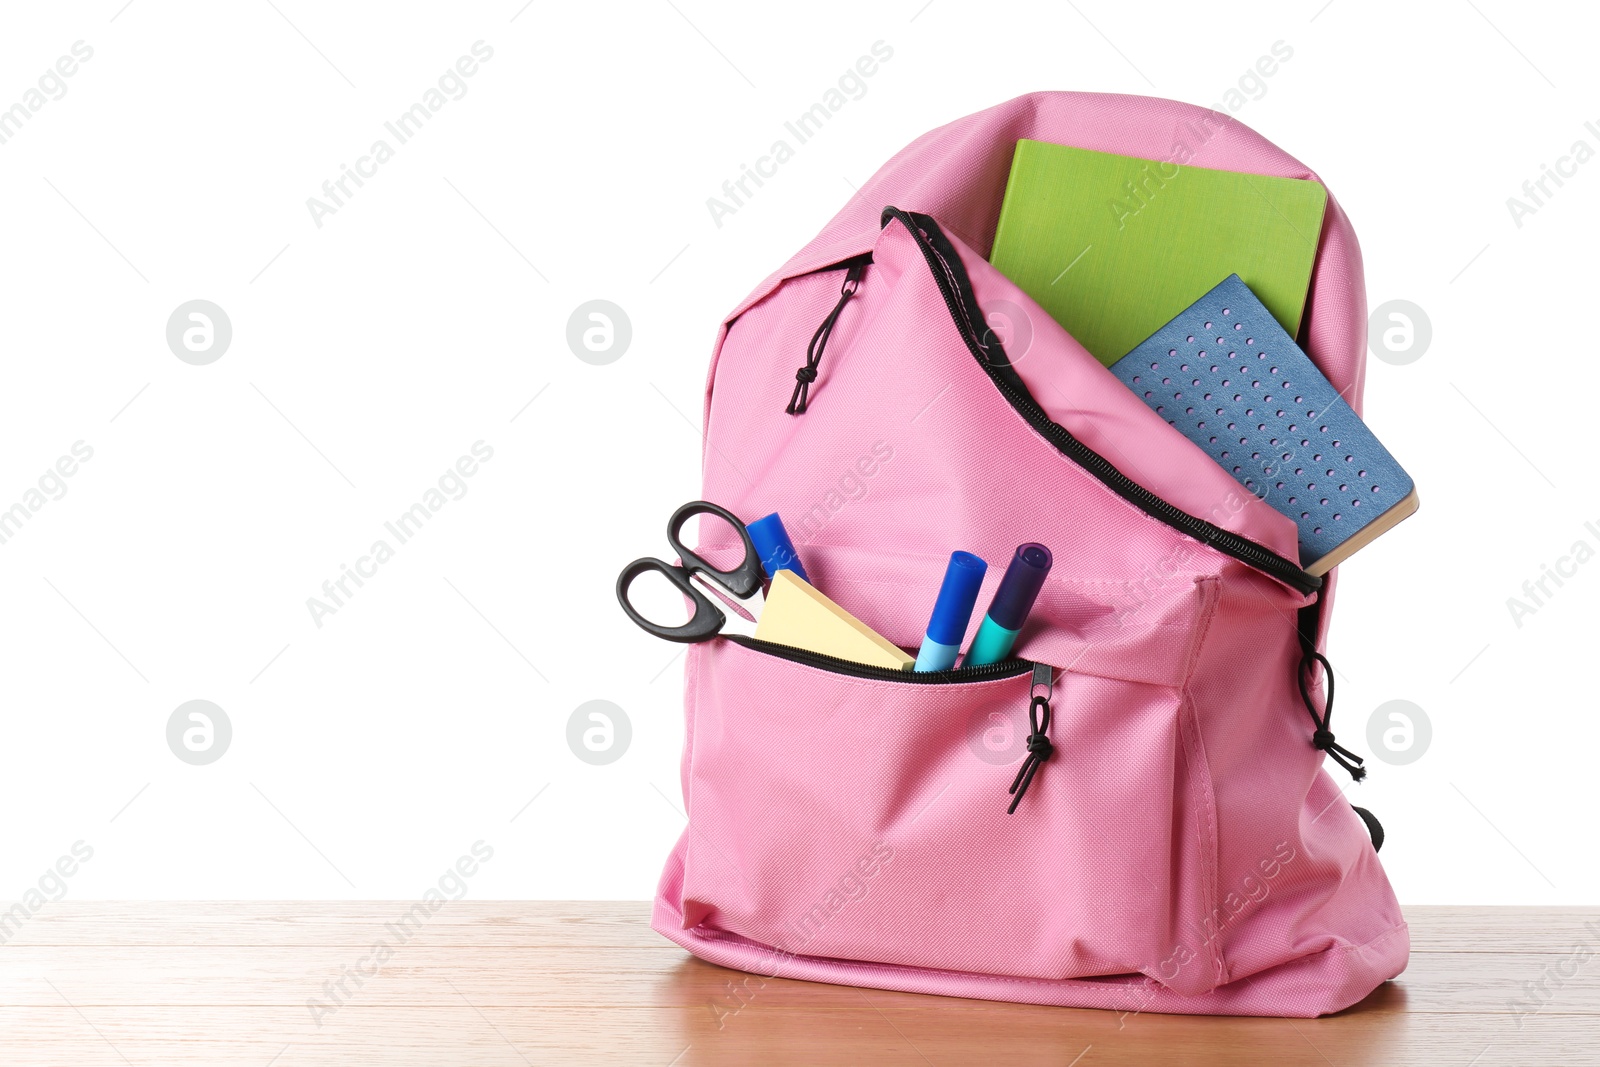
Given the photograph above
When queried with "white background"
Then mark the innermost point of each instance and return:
(369, 353)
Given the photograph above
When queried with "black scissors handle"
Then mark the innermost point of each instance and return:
(743, 581)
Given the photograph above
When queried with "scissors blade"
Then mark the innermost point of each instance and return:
(740, 613)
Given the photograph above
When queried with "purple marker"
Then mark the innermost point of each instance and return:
(1012, 602)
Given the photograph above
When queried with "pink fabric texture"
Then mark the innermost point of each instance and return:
(1183, 850)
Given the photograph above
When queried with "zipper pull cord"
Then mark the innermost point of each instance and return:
(1039, 746)
(819, 340)
(1322, 737)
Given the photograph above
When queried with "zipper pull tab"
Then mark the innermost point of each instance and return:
(1042, 679)
(819, 340)
(1039, 747)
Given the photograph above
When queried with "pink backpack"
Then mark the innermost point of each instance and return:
(1176, 844)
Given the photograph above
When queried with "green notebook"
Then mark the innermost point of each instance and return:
(1114, 247)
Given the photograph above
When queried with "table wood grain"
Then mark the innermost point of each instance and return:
(508, 983)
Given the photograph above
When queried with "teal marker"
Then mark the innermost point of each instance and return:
(1019, 588)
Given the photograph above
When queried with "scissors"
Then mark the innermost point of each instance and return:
(741, 586)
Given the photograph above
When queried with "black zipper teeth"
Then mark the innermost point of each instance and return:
(1225, 541)
(1010, 668)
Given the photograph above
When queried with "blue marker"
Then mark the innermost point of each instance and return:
(774, 547)
(951, 612)
(1012, 602)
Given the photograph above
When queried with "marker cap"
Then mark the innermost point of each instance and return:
(957, 595)
(1020, 586)
(774, 547)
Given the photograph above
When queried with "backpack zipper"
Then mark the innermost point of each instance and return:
(991, 357)
(1040, 747)
(856, 268)
(1010, 668)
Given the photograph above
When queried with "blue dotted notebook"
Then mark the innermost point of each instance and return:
(1228, 377)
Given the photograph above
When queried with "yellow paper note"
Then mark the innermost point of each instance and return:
(800, 617)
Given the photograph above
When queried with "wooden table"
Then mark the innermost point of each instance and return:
(509, 983)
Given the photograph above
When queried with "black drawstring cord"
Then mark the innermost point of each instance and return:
(819, 340)
(1322, 737)
(1039, 749)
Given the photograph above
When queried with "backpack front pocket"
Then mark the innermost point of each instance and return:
(865, 818)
